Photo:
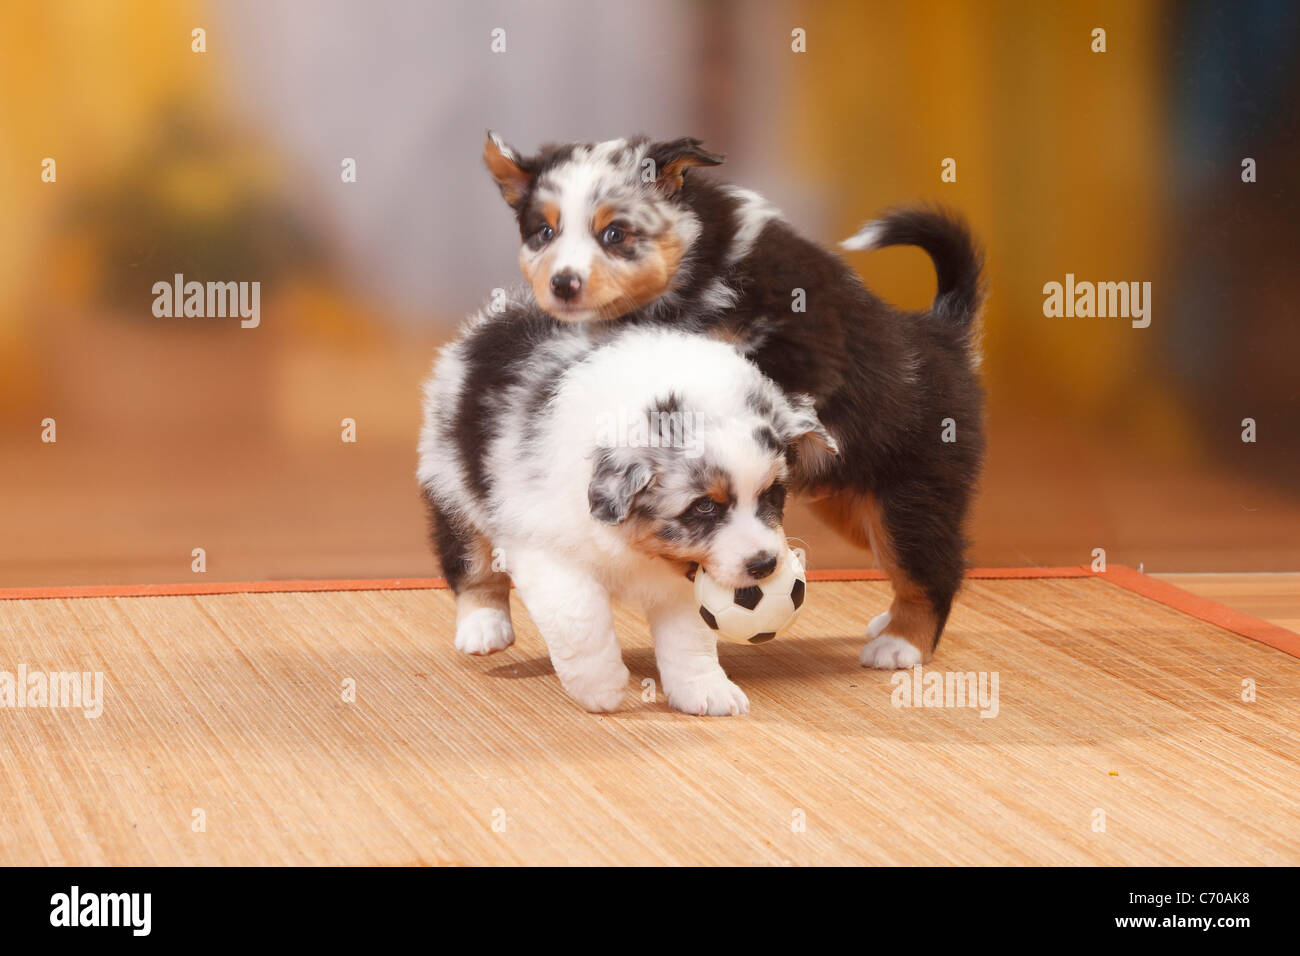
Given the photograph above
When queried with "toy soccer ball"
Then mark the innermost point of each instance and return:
(754, 614)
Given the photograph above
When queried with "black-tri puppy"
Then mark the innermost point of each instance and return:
(619, 232)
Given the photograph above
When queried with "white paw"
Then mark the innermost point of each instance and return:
(599, 694)
(878, 625)
(484, 631)
(713, 695)
(888, 652)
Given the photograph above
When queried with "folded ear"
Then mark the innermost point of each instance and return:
(615, 483)
(672, 159)
(507, 168)
(807, 437)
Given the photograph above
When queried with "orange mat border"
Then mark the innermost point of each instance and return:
(1211, 612)
(1151, 588)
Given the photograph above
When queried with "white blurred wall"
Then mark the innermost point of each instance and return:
(408, 88)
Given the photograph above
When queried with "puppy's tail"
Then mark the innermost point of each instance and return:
(948, 241)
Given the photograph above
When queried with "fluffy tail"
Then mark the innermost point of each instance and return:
(948, 241)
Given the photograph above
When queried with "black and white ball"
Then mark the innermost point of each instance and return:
(755, 614)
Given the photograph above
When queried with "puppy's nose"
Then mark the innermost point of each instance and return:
(761, 564)
(566, 285)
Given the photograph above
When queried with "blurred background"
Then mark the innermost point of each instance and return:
(226, 165)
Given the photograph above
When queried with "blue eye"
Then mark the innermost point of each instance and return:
(546, 234)
(612, 236)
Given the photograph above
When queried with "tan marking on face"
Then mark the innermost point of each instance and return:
(616, 287)
(604, 216)
(536, 268)
(718, 490)
(858, 517)
(643, 535)
(551, 213)
(642, 530)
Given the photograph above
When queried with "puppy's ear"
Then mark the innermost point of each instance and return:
(509, 170)
(615, 483)
(672, 159)
(805, 434)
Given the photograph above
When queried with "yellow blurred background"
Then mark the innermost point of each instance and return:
(226, 164)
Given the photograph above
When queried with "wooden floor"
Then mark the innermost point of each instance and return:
(1121, 737)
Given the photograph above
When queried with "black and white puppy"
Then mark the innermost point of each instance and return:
(617, 232)
(593, 464)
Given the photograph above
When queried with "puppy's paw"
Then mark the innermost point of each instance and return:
(599, 694)
(878, 624)
(888, 652)
(484, 631)
(714, 695)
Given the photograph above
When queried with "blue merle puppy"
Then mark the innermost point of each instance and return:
(590, 463)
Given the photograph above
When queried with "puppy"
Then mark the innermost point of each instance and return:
(625, 232)
(589, 464)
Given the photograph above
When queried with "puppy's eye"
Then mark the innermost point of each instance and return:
(774, 497)
(703, 507)
(545, 234)
(612, 236)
